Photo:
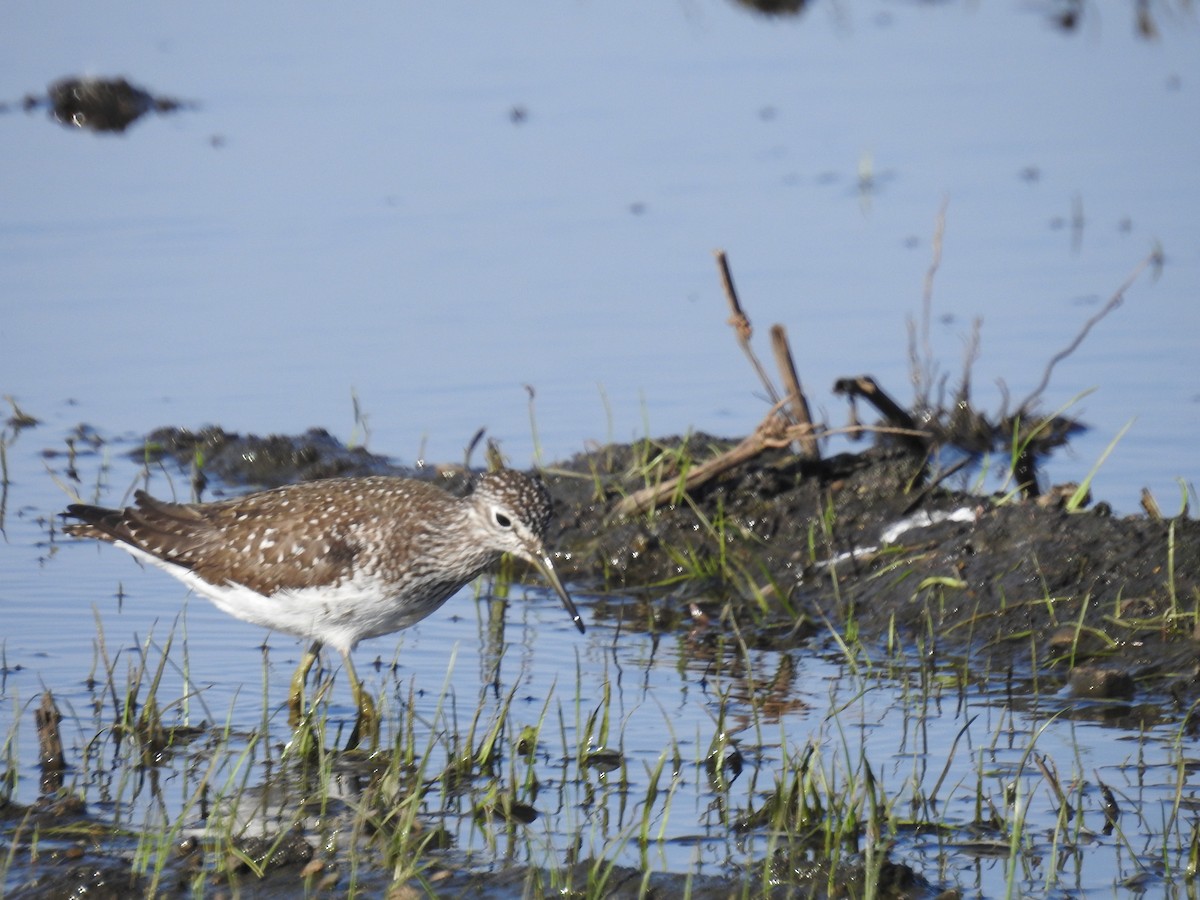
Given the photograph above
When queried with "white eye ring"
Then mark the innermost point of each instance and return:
(501, 519)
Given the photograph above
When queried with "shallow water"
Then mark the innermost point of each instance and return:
(942, 746)
(351, 208)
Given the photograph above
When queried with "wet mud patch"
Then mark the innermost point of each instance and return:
(76, 854)
(788, 546)
(791, 547)
(249, 462)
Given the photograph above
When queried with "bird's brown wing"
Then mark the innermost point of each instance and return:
(227, 542)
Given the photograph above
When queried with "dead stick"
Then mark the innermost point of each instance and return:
(50, 748)
(769, 433)
(1155, 259)
(741, 325)
(1150, 505)
(864, 386)
(796, 399)
(939, 232)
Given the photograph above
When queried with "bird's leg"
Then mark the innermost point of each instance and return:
(296, 694)
(366, 727)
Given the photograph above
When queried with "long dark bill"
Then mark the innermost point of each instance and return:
(542, 561)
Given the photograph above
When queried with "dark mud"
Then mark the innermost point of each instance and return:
(247, 461)
(787, 547)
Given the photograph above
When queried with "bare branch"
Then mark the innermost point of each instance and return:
(1155, 259)
(922, 362)
(741, 325)
(866, 387)
(970, 356)
(796, 399)
(771, 432)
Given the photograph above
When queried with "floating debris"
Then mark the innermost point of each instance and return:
(776, 7)
(100, 104)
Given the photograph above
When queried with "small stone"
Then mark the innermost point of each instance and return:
(330, 879)
(312, 867)
(404, 892)
(1069, 639)
(1138, 608)
(1098, 683)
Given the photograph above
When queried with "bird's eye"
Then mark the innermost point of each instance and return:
(502, 520)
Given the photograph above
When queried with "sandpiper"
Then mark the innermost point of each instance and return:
(338, 560)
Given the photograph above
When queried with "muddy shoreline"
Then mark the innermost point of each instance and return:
(791, 546)
(1004, 582)
(786, 552)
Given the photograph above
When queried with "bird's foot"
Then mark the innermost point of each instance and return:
(296, 692)
(366, 726)
(295, 706)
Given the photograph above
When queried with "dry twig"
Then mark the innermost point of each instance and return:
(770, 433)
(1155, 259)
(50, 746)
(809, 448)
(741, 325)
(902, 423)
(921, 359)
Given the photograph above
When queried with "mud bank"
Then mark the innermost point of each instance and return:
(790, 547)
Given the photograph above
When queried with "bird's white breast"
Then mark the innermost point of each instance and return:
(338, 615)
